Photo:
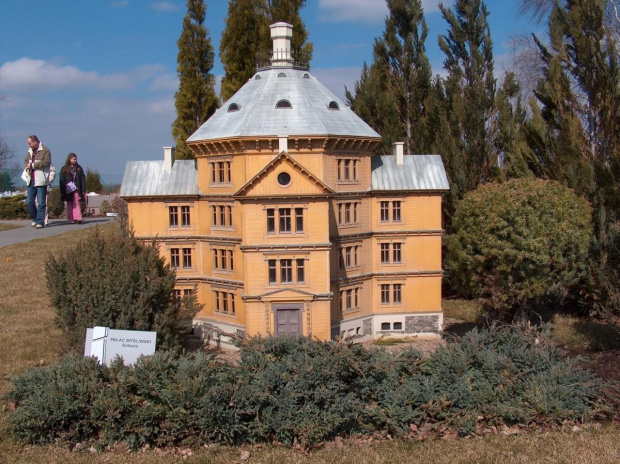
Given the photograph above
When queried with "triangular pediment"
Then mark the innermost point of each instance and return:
(271, 181)
(287, 294)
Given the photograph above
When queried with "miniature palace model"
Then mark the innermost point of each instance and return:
(287, 224)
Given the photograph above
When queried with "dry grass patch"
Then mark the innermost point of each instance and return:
(586, 335)
(28, 336)
(6, 226)
(590, 445)
(462, 310)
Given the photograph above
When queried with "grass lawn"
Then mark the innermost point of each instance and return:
(28, 337)
(6, 226)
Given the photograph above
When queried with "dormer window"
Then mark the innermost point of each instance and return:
(284, 104)
(333, 106)
(281, 74)
(233, 107)
(258, 78)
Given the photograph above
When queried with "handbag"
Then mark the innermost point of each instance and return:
(70, 187)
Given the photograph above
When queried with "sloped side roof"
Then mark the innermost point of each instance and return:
(418, 172)
(150, 178)
(258, 116)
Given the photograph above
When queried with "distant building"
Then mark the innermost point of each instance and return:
(94, 202)
(287, 224)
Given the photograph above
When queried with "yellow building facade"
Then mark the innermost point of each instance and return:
(286, 223)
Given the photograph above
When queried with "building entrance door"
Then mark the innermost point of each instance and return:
(288, 320)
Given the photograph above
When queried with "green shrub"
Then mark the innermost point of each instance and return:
(13, 207)
(297, 391)
(115, 282)
(518, 245)
(55, 205)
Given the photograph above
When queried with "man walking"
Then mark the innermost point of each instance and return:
(38, 161)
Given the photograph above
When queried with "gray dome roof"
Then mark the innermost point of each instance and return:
(253, 111)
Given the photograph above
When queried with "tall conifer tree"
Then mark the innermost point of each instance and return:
(470, 90)
(376, 105)
(580, 103)
(195, 100)
(246, 40)
(289, 12)
(391, 95)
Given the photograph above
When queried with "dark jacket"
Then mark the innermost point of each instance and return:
(80, 182)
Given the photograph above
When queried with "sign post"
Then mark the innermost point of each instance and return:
(106, 344)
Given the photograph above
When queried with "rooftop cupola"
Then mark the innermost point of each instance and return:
(281, 34)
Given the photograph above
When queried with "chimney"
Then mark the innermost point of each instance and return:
(283, 143)
(168, 158)
(281, 34)
(397, 151)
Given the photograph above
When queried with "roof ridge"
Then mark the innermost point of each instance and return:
(249, 114)
(310, 100)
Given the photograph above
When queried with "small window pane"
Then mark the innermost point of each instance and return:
(174, 257)
(187, 257)
(396, 211)
(271, 221)
(299, 220)
(396, 252)
(285, 220)
(174, 216)
(385, 211)
(272, 271)
(185, 218)
(385, 293)
(286, 271)
(301, 272)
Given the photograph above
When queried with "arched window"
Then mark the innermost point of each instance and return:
(233, 107)
(333, 105)
(306, 76)
(281, 74)
(284, 104)
(258, 78)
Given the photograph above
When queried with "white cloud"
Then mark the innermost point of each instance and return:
(27, 74)
(163, 7)
(168, 82)
(163, 106)
(367, 11)
(105, 132)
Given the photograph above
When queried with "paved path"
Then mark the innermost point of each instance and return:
(26, 233)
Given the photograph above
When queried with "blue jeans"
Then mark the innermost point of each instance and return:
(37, 213)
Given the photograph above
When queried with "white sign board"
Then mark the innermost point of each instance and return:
(106, 344)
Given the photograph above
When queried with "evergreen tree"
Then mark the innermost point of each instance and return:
(195, 101)
(6, 181)
(470, 97)
(580, 103)
(511, 141)
(288, 11)
(391, 95)
(93, 181)
(376, 105)
(403, 51)
(245, 38)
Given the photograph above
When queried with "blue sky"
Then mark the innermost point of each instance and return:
(97, 77)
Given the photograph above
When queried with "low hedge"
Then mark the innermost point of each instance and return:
(13, 207)
(297, 391)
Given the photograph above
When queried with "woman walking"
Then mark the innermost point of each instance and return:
(73, 188)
